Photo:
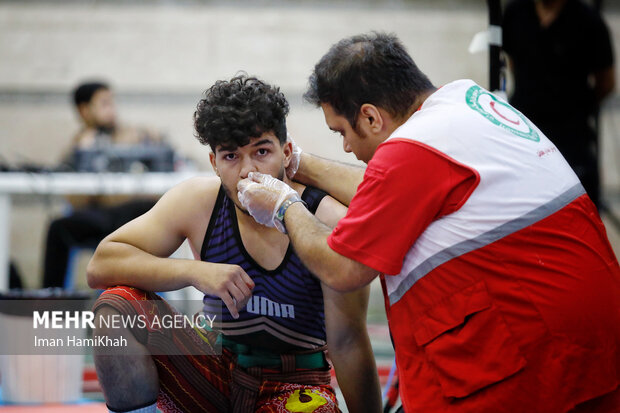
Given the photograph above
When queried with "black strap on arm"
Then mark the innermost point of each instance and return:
(313, 197)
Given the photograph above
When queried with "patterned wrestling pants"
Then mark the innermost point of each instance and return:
(190, 381)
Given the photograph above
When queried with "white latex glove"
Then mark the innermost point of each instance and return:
(293, 166)
(262, 195)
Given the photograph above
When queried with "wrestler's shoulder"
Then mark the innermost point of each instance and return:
(194, 190)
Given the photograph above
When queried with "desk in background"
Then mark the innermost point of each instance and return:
(13, 183)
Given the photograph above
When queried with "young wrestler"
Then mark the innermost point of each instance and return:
(273, 347)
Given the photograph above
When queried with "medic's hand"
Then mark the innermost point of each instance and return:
(261, 195)
(293, 166)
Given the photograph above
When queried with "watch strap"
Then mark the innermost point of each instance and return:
(278, 219)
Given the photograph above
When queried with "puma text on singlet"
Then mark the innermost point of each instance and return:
(285, 312)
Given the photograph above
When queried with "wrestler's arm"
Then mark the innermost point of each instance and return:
(137, 253)
(347, 338)
(350, 350)
(338, 179)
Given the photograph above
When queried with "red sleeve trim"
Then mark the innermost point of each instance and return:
(372, 261)
(454, 161)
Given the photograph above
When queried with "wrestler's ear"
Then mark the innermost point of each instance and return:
(212, 159)
(287, 151)
(370, 118)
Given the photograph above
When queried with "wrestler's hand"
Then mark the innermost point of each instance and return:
(261, 195)
(293, 165)
(229, 282)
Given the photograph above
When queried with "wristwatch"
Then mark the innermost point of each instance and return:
(278, 219)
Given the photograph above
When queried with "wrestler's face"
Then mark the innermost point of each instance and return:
(263, 154)
(352, 140)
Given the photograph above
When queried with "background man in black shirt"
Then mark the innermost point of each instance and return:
(561, 57)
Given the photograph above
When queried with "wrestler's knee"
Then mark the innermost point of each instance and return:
(112, 307)
(122, 292)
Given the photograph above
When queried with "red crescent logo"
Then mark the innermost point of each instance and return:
(502, 116)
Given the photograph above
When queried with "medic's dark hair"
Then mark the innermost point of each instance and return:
(370, 68)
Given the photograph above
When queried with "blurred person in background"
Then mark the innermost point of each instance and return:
(91, 218)
(561, 57)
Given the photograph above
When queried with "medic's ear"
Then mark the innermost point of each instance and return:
(371, 118)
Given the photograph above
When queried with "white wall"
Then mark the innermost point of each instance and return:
(160, 57)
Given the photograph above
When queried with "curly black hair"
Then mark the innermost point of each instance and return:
(234, 111)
